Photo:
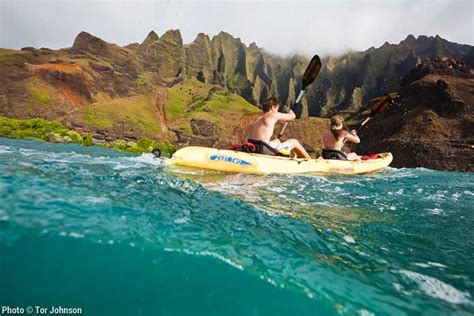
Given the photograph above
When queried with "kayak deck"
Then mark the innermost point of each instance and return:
(240, 162)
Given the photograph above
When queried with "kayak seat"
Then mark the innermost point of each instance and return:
(264, 148)
(333, 154)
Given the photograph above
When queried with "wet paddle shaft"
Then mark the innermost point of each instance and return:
(309, 76)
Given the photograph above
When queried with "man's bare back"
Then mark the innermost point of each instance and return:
(263, 127)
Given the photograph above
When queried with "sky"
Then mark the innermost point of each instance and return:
(326, 27)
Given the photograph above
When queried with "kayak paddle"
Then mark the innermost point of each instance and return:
(379, 105)
(309, 76)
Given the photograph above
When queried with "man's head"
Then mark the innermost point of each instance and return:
(273, 103)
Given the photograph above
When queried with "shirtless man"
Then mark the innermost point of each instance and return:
(262, 130)
(334, 140)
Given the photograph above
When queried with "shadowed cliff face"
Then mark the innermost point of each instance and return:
(351, 81)
(432, 126)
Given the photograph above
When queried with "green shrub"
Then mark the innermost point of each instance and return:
(75, 136)
(167, 148)
(147, 144)
(56, 132)
(41, 129)
(32, 128)
(144, 145)
(119, 144)
(87, 139)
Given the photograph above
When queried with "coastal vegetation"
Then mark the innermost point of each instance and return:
(41, 129)
(56, 132)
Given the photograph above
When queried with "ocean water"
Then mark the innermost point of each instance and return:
(119, 234)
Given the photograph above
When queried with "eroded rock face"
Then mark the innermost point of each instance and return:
(344, 84)
(86, 43)
(72, 80)
(199, 60)
(116, 68)
(150, 39)
(226, 61)
(433, 125)
(202, 128)
(167, 55)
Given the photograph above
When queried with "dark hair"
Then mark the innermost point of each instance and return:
(337, 125)
(271, 102)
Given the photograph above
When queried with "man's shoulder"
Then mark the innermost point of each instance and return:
(277, 115)
(269, 116)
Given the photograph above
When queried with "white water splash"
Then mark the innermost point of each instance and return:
(5, 149)
(437, 289)
(149, 159)
(349, 239)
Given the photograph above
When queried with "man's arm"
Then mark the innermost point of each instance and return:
(285, 117)
(352, 137)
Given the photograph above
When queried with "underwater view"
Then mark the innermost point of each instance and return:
(122, 234)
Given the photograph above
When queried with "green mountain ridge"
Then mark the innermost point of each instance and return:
(345, 83)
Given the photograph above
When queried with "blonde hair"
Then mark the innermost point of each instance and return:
(337, 125)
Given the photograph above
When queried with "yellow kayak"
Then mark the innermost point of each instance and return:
(240, 162)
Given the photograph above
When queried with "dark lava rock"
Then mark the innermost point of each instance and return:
(432, 124)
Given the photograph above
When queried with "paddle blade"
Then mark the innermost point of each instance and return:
(311, 71)
(382, 103)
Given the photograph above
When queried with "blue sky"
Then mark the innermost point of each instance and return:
(283, 27)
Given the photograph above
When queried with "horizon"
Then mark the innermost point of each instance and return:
(238, 38)
(281, 28)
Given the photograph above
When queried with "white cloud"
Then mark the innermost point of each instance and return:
(308, 27)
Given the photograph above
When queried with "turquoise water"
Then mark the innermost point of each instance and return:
(117, 234)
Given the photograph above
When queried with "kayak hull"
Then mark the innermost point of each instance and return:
(240, 162)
